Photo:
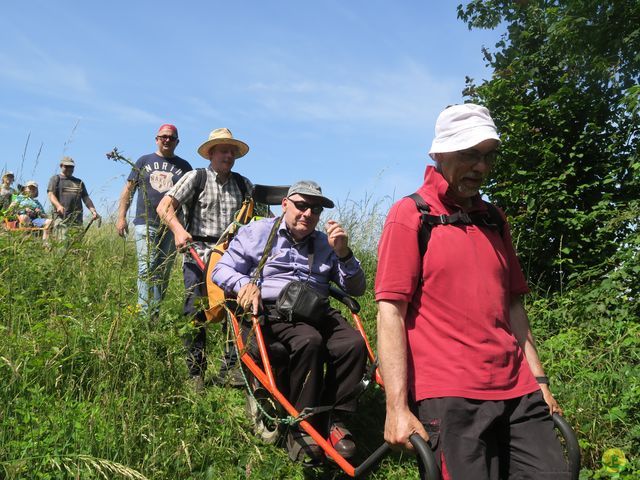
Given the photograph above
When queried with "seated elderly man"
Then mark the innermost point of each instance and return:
(300, 253)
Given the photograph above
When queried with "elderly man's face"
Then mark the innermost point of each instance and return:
(300, 222)
(223, 157)
(7, 180)
(32, 191)
(465, 170)
(167, 141)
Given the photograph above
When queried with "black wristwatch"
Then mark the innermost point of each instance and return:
(542, 380)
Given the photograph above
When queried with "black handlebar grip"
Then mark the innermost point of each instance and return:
(571, 441)
(426, 455)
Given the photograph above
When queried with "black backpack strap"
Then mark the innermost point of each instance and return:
(242, 185)
(496, 220)
(425, 226)
(201, 183)
(491, 219)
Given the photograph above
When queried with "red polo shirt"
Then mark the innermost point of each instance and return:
(459, 338)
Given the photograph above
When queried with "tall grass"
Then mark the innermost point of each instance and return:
(90, 390)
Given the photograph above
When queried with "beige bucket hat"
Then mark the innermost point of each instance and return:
(222, 136)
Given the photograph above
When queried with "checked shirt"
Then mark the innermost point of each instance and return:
(213, 211)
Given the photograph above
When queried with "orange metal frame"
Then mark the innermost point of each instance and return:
(265, 377)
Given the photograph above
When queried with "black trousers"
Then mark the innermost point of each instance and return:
(493, 439)
(333, 343)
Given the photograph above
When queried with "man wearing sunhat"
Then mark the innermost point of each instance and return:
(151, 177)
(457, 356)
(211, 196)
(67, 193)
(299, 253)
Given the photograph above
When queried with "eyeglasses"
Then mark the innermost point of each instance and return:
(474, 156)
(304, 206)
(166, 138)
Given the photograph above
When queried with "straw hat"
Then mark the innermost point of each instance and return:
(222, 136)
(31, 183)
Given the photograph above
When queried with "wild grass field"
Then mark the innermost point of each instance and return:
(92, 391)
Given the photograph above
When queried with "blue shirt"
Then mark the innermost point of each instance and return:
(287, 261)
(152, 177)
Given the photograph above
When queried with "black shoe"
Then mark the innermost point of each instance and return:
(303, 448)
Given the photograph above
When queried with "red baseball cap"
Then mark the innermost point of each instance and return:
(168, 126)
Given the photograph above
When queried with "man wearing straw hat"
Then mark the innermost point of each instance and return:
(211, 199)
(457, 355)
(151, 177)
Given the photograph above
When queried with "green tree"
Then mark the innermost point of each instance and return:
(564, 94)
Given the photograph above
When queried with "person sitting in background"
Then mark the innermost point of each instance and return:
(327, 357)
(29, 210)
(6, 191)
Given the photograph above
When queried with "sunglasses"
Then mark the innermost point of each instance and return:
(304, 206)
(166, 138)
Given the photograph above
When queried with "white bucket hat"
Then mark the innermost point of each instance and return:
(459, 127)
(222, 136)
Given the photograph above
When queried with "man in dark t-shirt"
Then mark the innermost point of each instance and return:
(152, 176)
(66, 193)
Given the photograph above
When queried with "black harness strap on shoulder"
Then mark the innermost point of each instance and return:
(491, 219)
(201, 183)
(241, 184)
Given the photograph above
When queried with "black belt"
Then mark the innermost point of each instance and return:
(198, 238)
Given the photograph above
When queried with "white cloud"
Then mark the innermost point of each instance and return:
(407, 94)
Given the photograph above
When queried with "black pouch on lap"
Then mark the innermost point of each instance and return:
(300, 302)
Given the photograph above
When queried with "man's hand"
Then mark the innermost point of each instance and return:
(60, 210)
(399, 425)
(550, 400)
(182, 239)
(95, 214)
(249, 298)
(338, 238)
(122, 227)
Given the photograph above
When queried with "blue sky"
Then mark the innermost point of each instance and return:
(344, 92)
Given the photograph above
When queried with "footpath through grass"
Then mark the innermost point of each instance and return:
(92, 391)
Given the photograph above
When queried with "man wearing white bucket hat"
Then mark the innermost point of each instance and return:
(457, 355)
(211, 196)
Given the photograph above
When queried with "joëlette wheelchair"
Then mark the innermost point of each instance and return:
(264, 364)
